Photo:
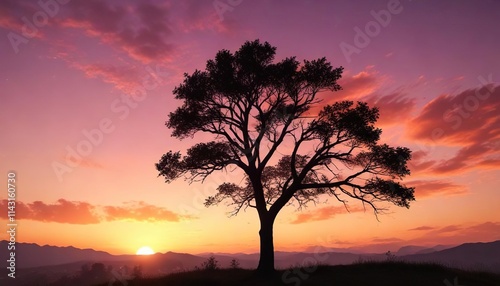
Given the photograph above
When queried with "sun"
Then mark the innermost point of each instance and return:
(145, 250)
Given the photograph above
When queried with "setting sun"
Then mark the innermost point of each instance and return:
(145, 250)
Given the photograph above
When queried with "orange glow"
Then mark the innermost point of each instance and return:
(145, 250)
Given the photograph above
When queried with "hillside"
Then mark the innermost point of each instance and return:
(46, 264)
(478, 256)
(361, 274)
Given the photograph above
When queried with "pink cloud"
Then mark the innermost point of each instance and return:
(470, 120)
(355, 87)
(141, 211)
(125, 79)
(12, 13)
(419, 163)
(449, 228)
(485, 231)
(423, 228)
(428, 188)
(200, 15)
(142, 31)
(394, 108)
(64, 211)
(324, 213)
(363, 86)
(468, 117)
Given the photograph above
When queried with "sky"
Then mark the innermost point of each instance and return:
(86, 88)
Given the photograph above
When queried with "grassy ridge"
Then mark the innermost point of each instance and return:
(360, 274)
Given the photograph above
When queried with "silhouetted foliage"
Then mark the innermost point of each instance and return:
(234, 264)
(363, 274)
(210, 264)
(253, 106)
(88, 275)
(390, 256)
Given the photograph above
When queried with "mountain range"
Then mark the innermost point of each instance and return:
(53, 262)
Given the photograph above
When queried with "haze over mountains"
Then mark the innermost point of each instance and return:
(33, 259)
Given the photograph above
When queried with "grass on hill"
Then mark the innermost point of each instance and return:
(360, 274)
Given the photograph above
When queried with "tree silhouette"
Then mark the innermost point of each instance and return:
(210, 264)
(234, 264)
(257, 110)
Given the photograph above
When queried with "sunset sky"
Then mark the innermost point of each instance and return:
(86, 87)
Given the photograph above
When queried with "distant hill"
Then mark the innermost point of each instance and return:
(33, 255)
(359, 274)
(410, 249)
(433, 249)
(481, 256)
(50, 263)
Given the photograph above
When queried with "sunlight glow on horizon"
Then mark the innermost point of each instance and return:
(145, 250)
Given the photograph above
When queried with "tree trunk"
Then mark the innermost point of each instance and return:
(266, 262)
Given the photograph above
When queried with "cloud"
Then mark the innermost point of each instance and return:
(449, 228)
(477, 155)
(196, 15)
(485, 231)
(125, 79)
(140, 211)
(355, 87)
(364, 86)
(485, 228)
(428, 188)
(419, 163)
(423, 228)
(71, 212)
(62, 211)
(472, 232)
(469, 120)
(465, 118)
(386, 239)
(8, 17)
(394, 108)
(324, 213)
(141, 30)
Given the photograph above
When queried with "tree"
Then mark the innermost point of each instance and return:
(256, 110)
(210, 264)
(234, 264)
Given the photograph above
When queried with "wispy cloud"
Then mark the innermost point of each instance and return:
(428, 188)
(74, 212)
(140, 30)
(424, 227)
(141, 211)
(355, 86)
(394, 108)
(365, 86)
(455, 234)
(324, 213)
(122, 78)
(62, 211)
(469, 120)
